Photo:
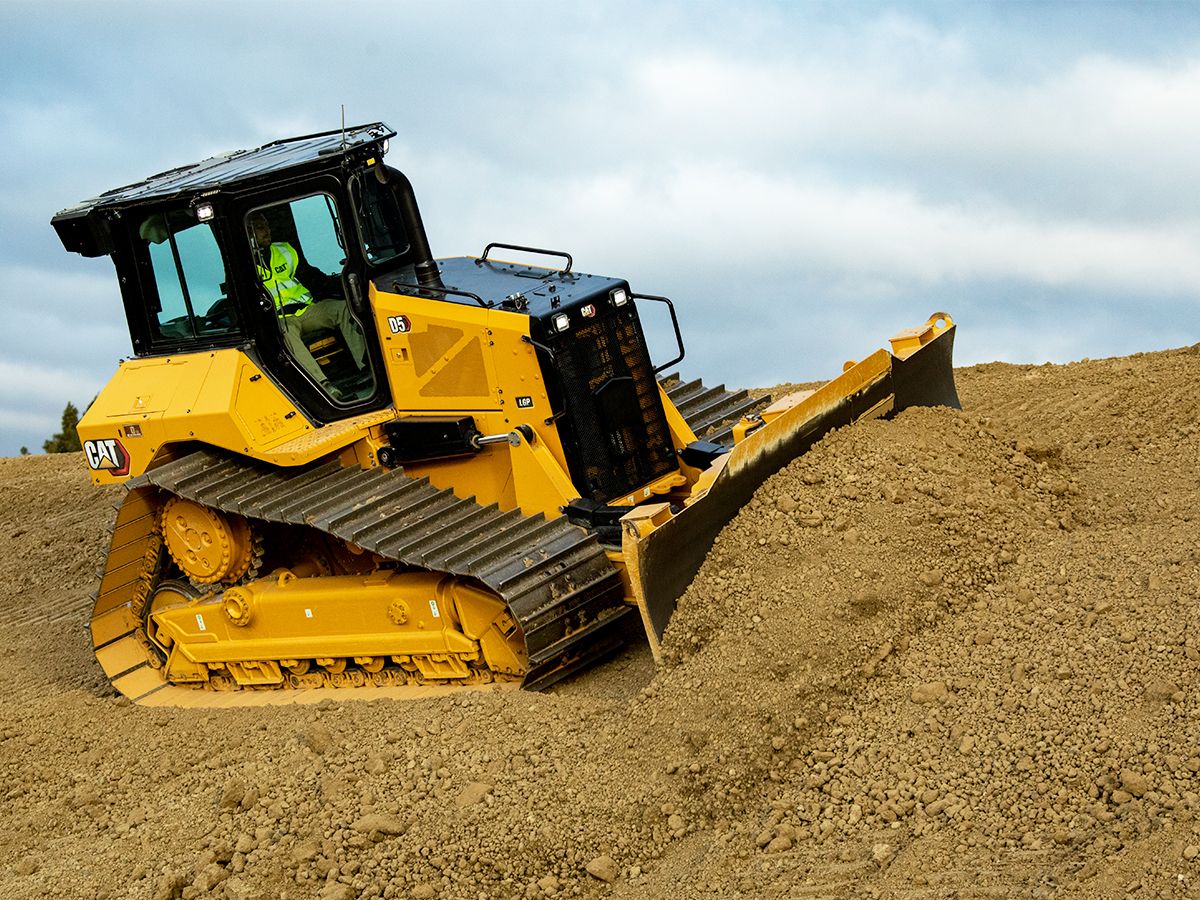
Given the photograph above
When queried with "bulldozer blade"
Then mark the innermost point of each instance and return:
(927, 377)
(664, 550)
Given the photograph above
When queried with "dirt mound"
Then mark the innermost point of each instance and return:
(952, 654)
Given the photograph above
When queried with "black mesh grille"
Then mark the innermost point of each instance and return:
(613, 420)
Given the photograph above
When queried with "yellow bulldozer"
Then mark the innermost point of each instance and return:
(351, 466)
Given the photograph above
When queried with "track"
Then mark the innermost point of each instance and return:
(556, 579)
(711, 412)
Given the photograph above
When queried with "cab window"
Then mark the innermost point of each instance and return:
(381, 224)
(189, 301)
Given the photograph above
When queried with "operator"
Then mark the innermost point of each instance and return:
(301, 313)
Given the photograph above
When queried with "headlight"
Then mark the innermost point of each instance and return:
(619, 296)
(561, 322)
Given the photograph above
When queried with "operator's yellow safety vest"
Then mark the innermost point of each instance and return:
(280, 280)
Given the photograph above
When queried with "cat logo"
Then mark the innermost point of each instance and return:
(109, 454)
(588, 311)
(399, 324)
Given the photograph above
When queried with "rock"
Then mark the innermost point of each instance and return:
(335, 890)
(882, 854)
(933, 691)
(1134, 782)
(210, 876)
(783, 842)
(237, 889)
(169, 887)
(604, 868)
(27, 866)
(318, 739)
(222, 852)
(1191, 851)
(472, 794)
(85, 795)
(1159, 689)
(324, 866)
(380, 823)
(1121, 797)
(233, 794)
(424, 891)
(250, 798)
(305, 852)
(548, 884)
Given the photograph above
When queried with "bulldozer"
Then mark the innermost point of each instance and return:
(352, 467)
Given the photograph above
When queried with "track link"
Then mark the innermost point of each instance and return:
(558, 583)
(710, 412)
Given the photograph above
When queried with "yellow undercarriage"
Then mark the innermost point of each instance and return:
(385, 628)
(386, 632)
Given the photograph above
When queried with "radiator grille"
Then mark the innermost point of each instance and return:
(613, 416)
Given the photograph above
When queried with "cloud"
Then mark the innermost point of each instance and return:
(802, 178)
(721, 219)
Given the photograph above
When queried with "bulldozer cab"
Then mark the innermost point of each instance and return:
(269, 250)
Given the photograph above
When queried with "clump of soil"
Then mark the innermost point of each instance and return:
(950, 654)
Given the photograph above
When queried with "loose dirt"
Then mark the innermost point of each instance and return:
(954, 654)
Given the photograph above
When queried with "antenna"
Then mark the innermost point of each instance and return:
(343, 126)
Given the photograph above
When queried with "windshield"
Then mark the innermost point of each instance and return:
(189, 279)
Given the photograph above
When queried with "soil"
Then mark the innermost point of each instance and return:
(953, 654)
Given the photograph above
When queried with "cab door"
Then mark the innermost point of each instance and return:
(305, 273)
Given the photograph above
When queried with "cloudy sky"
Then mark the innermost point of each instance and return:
(803, 179)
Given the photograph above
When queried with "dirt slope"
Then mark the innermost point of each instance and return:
(950, 655)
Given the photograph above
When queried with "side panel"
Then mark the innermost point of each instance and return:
(218, 397)
(447, 358)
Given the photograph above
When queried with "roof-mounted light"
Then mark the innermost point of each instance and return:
(561, 322)
(204, 212)
(619, 296)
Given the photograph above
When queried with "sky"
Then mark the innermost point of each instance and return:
(803, 179)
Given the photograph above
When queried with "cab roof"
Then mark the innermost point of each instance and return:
(218, 173)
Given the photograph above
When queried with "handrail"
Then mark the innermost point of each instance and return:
(674, 324)
(550, 353)
(400, 287)
(488, 249)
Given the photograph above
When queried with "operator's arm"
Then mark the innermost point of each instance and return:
(318, 283)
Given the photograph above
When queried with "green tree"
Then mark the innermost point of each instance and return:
(67, 440)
